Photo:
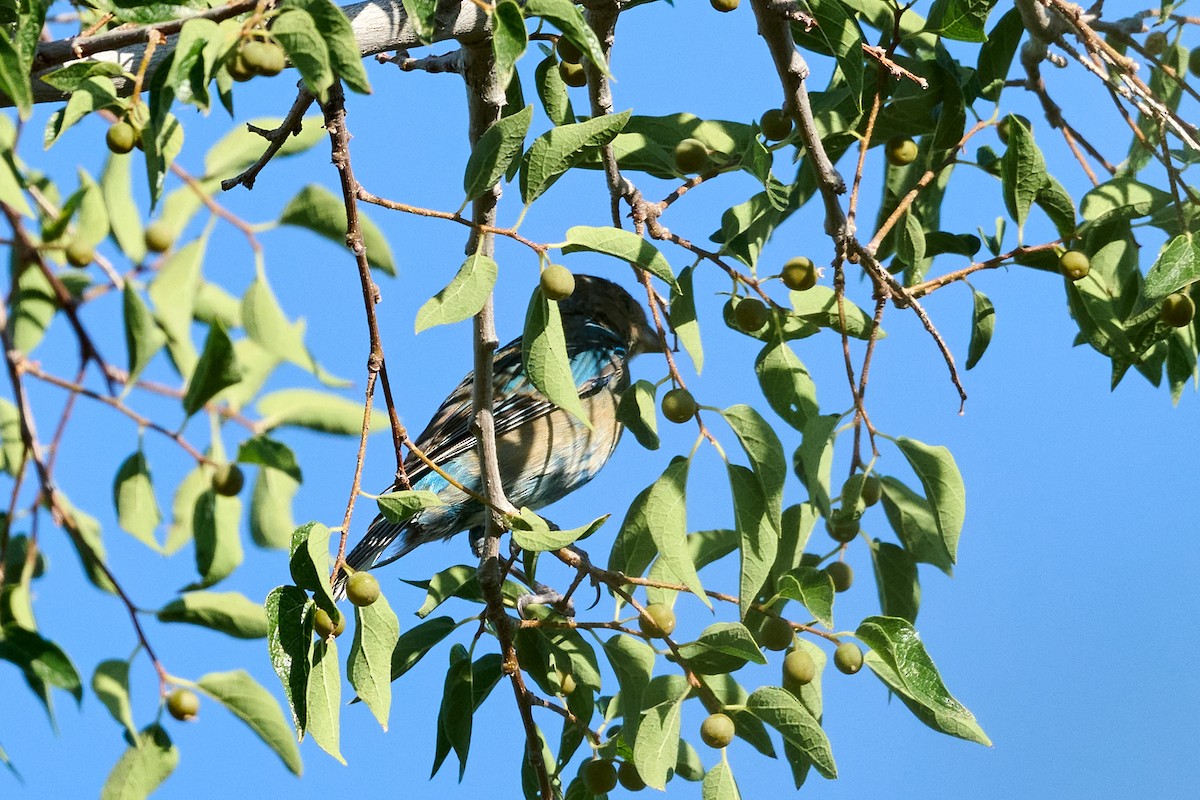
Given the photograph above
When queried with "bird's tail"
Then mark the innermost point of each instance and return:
(381, 535)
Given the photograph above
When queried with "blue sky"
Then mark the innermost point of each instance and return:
(1068, 627)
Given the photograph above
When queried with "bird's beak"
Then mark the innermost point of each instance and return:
(648, 340)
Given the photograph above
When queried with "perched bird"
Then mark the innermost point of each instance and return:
(544, 452)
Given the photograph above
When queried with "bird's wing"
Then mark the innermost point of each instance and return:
(517, 401)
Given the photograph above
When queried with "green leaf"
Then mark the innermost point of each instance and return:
(636, 412)
(963, 20)
(544, 354)
(1059, 207)
(271, 520)
(443, 585)
(912, 518)
(289, 632)
(310, 562)
(665, 515)
(1022, 172)
(813, 589)
(896, 579)
(218, 545)
(217, 369)
(414, 643)
(944, 488)
(899, 659)
(561, 148)
(297, 32)
(910, 248)
(783, 712)
(133, 495)
(540, 538)
(401, 506)
(324, 698)
(421, 14)
(552, 91)
(311, 409)
(983, 321)
(231, 613)
(247, 700)
(110, 683)
(1177, 267)
(719, 783)
(497, 148)
(33, 307)
(143, 767)
(786, 384)
(632, 661)
(765, 451)
(456, 711)
(996, 54)
(143, 339)
(345, 59)
(722, 647)
(622, 244)
(465, 295)
(567, 17)
(683, 317)
(317, 209)
(814, 459)
(819, 306)
(376, 634)
(837, 34)
(41, 660)
(270, 453)
(116, 184)
(86, 537)
(173, 292)
(656, 748)
(758, 536)
(267, 325)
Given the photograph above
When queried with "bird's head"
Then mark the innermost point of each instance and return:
(608, 304)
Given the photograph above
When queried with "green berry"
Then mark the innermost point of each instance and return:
(1003, 128)
(678, 405)
(661, 622)
(1156, 43)
(79, 254)
(183, 704)
(901, 151)
(751, 314)
(362, 589)
(691, 155)
(776, 124)
(572, 74)
(599, 776)
(159, 237)
(628, 777)
(272, 60)
(799, 274)
(810, 560)
(557, 282)
(848, 658)
(717, 730)
(776, 634)
(1194, 62)
(567, 51)
(323, 624)
(1074, 264)
(866, 487)
(842, 526)
(121, 137)
(842, 575)
(1178, 310)
(724, 6)
(228, 480)
(238, 69)
(799, 669)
